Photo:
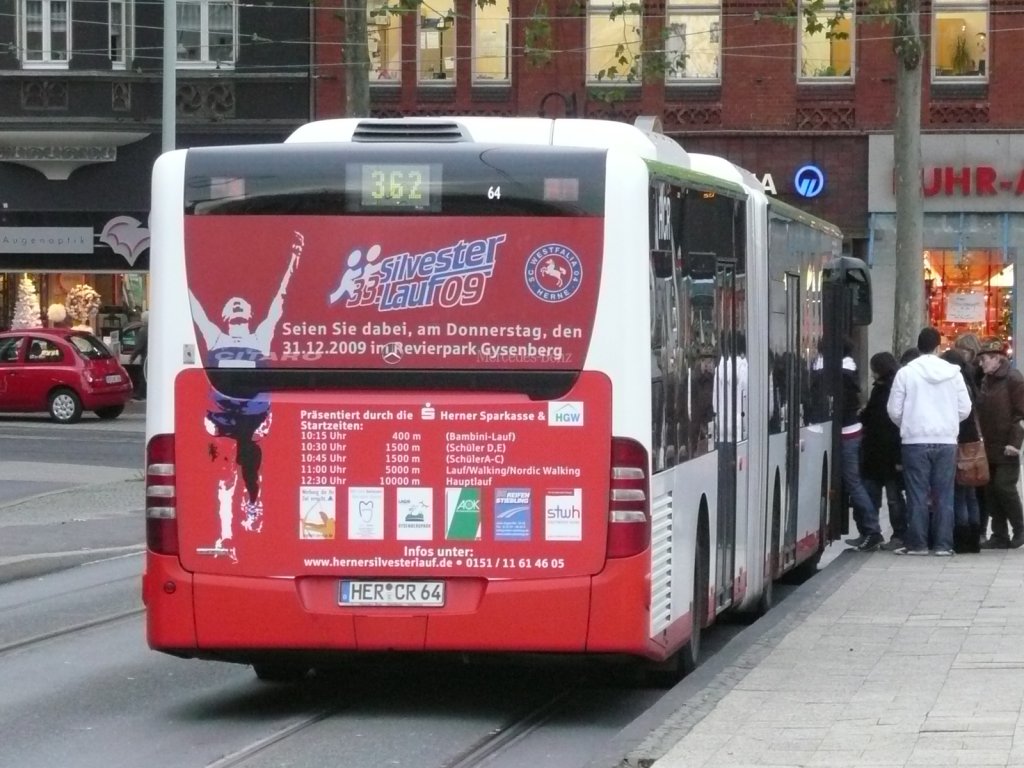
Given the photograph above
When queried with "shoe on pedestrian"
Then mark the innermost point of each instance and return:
(855, 542)
(1017, 541)
(905, 551)
(995, 542)
(943, 553)
(892, 544)
(871, 542)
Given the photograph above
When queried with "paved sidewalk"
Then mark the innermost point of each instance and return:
(60, 529)
(890, 661)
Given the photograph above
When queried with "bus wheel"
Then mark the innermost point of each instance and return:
(768, 590)
(690, 653)
(280, 672)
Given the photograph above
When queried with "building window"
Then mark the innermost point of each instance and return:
(120, 33)
(826, 53)
(436, 61)
(613, 44)
(693, 41)
(384, 41)
(959, 40)
(491, 43)
(206, 33)
(45, 33)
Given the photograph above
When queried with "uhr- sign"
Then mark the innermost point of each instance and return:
(965, 181)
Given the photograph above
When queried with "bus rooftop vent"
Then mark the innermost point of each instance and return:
(408, 130)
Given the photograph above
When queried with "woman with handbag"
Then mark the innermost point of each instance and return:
(1001, 408)
(971, 468)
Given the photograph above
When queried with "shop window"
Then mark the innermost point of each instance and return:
(491, 62)
(693, 41)
(613, 44)
(959, 40)
(45, 33)
(384, 41)
(121, 31)
(826, 51)
(207, 32)
(436, 61)
(969, 291)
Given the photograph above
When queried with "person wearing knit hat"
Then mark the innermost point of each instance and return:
(1000, 410)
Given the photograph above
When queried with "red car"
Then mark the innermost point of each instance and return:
(62, 372)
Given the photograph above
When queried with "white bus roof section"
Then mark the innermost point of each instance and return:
(563, 132)
(721, 168)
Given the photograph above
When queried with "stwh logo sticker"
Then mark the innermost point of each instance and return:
(565, 413)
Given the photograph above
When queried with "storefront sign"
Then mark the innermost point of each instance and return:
(965, 307)
(95, 154)
(809, 181)
(960, 172)
(46, 240)
(979, 180)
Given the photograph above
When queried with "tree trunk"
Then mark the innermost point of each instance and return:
(909, 315)
(355, 59)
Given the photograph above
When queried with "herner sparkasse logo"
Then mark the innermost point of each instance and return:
(554, 273)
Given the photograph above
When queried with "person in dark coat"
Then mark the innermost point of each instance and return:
(969, 346)
(1000, 410)
(966, 514)
(865, 512)
(880, 449)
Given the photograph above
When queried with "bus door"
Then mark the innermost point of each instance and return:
(730, 383)
(848, 306)
(791, 492)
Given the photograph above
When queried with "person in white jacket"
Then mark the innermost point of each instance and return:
(928, 401)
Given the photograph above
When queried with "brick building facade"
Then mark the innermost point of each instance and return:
(769, 96)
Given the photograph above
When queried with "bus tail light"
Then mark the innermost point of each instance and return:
(161, 510)
(629, 507)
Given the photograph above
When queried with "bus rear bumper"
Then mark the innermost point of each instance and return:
(230, 616)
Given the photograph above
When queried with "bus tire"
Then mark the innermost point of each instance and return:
(690, 653)
(768, 589)
(280, 671)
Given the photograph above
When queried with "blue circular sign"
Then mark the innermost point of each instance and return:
(809, 181)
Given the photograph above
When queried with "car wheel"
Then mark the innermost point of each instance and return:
(110, 411)
(65, 406)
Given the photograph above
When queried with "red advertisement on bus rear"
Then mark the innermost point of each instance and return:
(402, 292)
(393, 483)
(405, 484)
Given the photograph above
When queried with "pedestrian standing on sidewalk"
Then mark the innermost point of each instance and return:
(928, 401)
(966, 516)
(969, 347)
(880, 449)
(1000, 409)
(865, 512)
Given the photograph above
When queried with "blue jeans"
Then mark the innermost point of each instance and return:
(966, 510)
(928, 471)
(865, 513)
(894, 498)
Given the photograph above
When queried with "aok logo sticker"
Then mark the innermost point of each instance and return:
(554, 273)
(462, 514)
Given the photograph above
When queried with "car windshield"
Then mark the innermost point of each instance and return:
(89, 346)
